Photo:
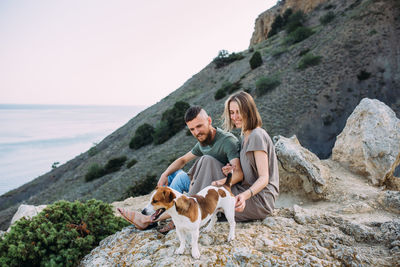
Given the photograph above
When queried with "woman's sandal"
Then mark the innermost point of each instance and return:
(166, 228)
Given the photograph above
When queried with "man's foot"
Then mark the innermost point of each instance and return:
(136, 218)
(168, 227)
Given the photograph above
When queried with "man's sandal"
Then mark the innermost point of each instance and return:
(168, 227)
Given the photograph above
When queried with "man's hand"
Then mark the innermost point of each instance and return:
(163, 181)
(240, 202)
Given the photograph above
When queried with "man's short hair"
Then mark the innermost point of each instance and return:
(192, 113)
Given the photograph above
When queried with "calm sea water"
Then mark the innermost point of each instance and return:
(33, 137)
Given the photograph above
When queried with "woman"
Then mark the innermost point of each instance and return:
(257, 192)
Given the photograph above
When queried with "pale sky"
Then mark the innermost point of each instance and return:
(115, 52)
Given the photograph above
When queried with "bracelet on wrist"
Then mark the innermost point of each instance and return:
(251, 192)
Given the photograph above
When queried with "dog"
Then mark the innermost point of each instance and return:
(191, 213)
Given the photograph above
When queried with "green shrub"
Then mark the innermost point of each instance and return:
(363, 75)
(304, 51)
(309, 60)
(143, 136)
(266, 84)
(227, 88)
(276, 26)
(114, 164)
(255, 60)
(328, 17)
(131, 163)
(61, 235)
(142, 187)
(93, 150)
(224, 58)
(172, 121)
(298, 35)
(95, 171)
(278, 52)
(295, 21)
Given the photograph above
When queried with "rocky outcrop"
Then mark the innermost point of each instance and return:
(264, 21)
(299, 169)
(370, 143)
(354, 224)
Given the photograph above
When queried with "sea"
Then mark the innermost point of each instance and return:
(33, 138)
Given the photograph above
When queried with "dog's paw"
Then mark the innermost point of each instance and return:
(195, 253)
(180, 250)
(231, 238)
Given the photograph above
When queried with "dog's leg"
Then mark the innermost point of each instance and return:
(211, 223)
(195, 246)
(230, 216)
(181, 236)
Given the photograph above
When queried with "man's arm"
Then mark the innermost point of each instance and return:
(174, 166)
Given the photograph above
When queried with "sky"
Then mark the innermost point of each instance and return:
(103, 52)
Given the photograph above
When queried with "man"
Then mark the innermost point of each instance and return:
(214, 150)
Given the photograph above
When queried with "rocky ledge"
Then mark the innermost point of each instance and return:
(329, 213)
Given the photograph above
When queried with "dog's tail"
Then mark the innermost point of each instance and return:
(228, 180)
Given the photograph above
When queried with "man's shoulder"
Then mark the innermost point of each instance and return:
(223, 134)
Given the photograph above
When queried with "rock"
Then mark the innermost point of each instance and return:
(390, 200)
(264, 21)
(27, 211)
(300, 168)
(370, 142)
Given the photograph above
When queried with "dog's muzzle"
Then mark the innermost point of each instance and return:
(157, 214)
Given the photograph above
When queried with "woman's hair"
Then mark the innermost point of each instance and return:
(251, 119)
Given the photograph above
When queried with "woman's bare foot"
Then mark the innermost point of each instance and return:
(136, 218)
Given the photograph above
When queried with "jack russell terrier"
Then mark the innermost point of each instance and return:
(191, 213)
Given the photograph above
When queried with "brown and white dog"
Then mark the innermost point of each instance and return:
(191, 213)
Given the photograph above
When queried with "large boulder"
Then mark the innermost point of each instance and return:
(370, 143)
(300, 169)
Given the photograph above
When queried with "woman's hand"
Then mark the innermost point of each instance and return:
(219, 182)
(227, 169)
(240, 202)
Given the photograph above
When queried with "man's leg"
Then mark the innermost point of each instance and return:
(205, 170)
(180, 181)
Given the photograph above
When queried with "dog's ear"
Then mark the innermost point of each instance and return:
(168, 195)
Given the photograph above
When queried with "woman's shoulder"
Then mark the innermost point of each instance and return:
(259, 132)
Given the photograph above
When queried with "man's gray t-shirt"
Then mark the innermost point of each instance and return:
(224, 147)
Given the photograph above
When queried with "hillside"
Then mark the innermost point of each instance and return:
(359, 57)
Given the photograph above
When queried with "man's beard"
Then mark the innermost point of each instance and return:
(208, 139)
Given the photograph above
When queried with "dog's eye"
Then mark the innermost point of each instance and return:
(155, 201)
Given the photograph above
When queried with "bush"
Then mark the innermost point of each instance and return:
(298, 35)
(131, 163)
(309, 60)
(328, 17)
(114, 164)
(295, 21)
(61, 235)
(95, 171)
(224, 58)
(227, 88)
(142, 187)
(276, 26)
(266, 84)
(93, 150)
(143, 136)
(172, 121)
(363, 75)
(255, 60)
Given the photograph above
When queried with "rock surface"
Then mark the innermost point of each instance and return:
(27, 211)
(299, 168)
(370, 142)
